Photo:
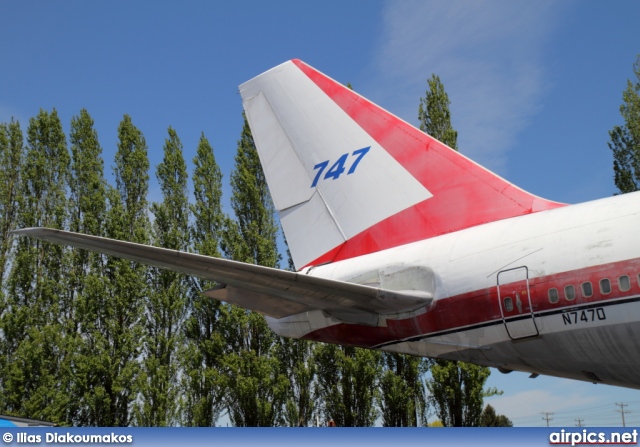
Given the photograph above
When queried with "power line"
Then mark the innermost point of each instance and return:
(595, 415)
(547, 416)
(579, 421)
(567, 412)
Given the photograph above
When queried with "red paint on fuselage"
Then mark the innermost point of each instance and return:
(457, 313)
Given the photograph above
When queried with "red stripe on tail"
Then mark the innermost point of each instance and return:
(464, 193)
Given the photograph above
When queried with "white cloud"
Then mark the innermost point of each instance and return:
(488, 56)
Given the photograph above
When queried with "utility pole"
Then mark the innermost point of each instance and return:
(579, 422)
(547, 417)
(622, 411)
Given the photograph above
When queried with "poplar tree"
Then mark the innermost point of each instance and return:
(86, 290)
(31, 323)
(625, 140)
(166, 302)
(256, 386)
(434, 115)
(298, 365)
(252, 236)
(348, 384)
(202, 383)
(11, 154)
(457, 392)
(456, 388)
(403, 400)
(120, 315)
(87, 185)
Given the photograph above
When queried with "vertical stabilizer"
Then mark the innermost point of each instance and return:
(348, 178)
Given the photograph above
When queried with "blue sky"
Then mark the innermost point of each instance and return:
(535, 87)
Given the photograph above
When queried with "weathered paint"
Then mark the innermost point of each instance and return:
(382, 204)
(565, 246)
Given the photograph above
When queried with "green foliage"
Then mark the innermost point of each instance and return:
(625, 140)
(257, 388)
(30, 322)
(172, 214)
(207, 208)
(434, 115)
(166, 301)
(87, 185)
(132, 180)
(202, 382)
(348, 384)
(121, 318)
(84, 271)
(11, 153)
(298, 365)
(457, 392)
(489, 418)
(252, 236)
(403, 401)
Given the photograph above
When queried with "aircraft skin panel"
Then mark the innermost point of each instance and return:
(290, 189)
(324, 228)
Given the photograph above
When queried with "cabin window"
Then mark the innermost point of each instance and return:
(553, 295)
(587, 289)
(624, 283)
(569, 292)
(508, 304)
(605, 286)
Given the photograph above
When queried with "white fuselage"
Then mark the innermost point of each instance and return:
(494, 304)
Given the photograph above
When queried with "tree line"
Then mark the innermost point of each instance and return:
(91, 340)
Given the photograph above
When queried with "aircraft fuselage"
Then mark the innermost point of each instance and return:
(555, 292)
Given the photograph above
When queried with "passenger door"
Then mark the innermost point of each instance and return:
(515, 303)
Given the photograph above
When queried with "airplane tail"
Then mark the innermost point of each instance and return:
(349, 178)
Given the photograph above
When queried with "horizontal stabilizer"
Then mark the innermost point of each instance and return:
(274, 292)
